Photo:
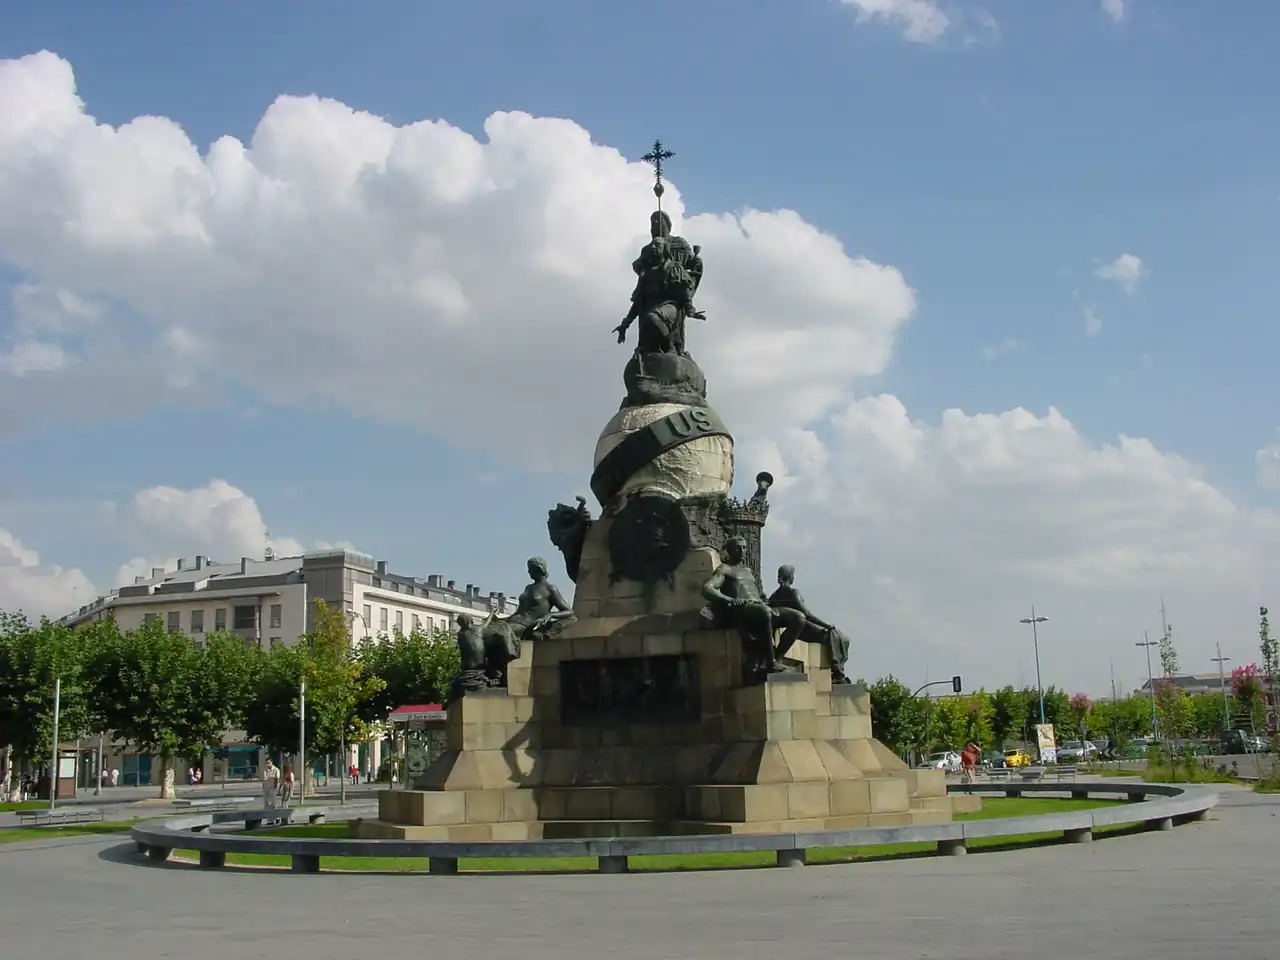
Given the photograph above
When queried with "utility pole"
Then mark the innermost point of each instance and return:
(1222, 681)
(1151, 680)
(302, 741)
(53, 766)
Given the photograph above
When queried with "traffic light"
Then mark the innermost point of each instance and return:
(955, 684)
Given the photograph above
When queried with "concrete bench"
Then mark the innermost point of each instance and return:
(1174, 805)
(999, 774)
(1065, 772)
(49, 818)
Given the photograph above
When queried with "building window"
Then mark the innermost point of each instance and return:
(275, 642)
(368, 617)
(399, 622)
(275, 618)
(197, 621)
(382, 620)
(417, 627)
(219, 621)
(244, 618)
(150, 618)
(174, 620)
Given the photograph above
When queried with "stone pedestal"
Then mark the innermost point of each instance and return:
(578, 746)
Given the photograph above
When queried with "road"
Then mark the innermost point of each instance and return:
(1206, 889)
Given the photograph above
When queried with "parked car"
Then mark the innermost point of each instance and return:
(1241, 741)
(994, 759)
(1077, 751)
(1017, 758)
(947, 760)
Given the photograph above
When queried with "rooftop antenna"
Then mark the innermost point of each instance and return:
(270, 552)
(657, 156)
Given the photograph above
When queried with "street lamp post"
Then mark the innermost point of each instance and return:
(1035, 639)
(1222, 682)
(1151, 680)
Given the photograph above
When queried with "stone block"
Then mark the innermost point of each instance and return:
(624, 645)
(588, 803)
(483, 806)
(545, 681)
(802, 760)
(790, 694)
(526, 707)
(902, 819)
(662, 644)
(627, 607)
(926, 783)
(822, 704)
(471, 832)
(853, 728)
(964, 803)
(837, 764)
(854, 822)
(888, 795)
(924, 817)
(635, 803)
(587, 648)
(808, 800)
(821, 680)
(514, 832)
(828, 727)
(518, 680)
(850, 797)
(778, 725)
(772, 766)
(804, 724)
(443, 807)
(888, 761)
(519, 805)
(551, 803)
(585, 608)
(845, 702)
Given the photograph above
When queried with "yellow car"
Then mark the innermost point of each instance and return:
(1017, 758)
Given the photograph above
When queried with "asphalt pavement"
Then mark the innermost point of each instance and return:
(1202, 890)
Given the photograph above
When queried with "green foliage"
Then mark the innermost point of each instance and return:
(1270, 649)
(32, 657)
(416, 668)
(339, 689)
(1008, 715)
(897, 718)
(158, 690)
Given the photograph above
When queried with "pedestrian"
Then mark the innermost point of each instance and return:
(354, 773)
(286, 785)
(270, 784)
(969, 761)
(115, 777)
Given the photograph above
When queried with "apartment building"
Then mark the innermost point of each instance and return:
(270, 601)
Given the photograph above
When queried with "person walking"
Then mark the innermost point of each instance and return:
(969, 761)
(270, 784)
(286, 785)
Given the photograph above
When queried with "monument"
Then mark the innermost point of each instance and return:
(674, 696)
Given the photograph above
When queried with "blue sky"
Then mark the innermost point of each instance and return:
(997, 167)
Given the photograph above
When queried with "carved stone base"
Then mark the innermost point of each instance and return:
(545, 758)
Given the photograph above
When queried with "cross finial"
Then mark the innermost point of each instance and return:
(657, 156)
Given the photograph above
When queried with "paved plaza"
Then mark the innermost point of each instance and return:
(1207, 889)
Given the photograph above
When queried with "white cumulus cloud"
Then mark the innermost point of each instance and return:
(35, 588)
(1267, 461)
(1092, 319)
(216, 520)
(1117, 10)
(409, 272)
(1127, 270)
(921, 21)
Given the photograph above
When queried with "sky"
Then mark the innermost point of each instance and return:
(990, 289)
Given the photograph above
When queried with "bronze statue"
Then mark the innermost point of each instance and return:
(567, 526)
(541, 612)
(473, 669)
(813, 630)
(668, 272)
(736, 600)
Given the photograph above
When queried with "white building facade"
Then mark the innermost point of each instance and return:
(270, 602)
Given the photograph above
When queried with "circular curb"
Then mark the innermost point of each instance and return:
(1171, 805)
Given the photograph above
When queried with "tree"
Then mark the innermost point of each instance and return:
(158, 690)
(413, 669)
(897, 718)
(1008, 715)
(1168, 653)
(1080, 705)
(271, 716)
(1246, 685)
(32, 658)
(1270, 656)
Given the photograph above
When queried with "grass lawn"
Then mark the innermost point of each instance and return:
(992, 807)
(24, 805)
(24, 834)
